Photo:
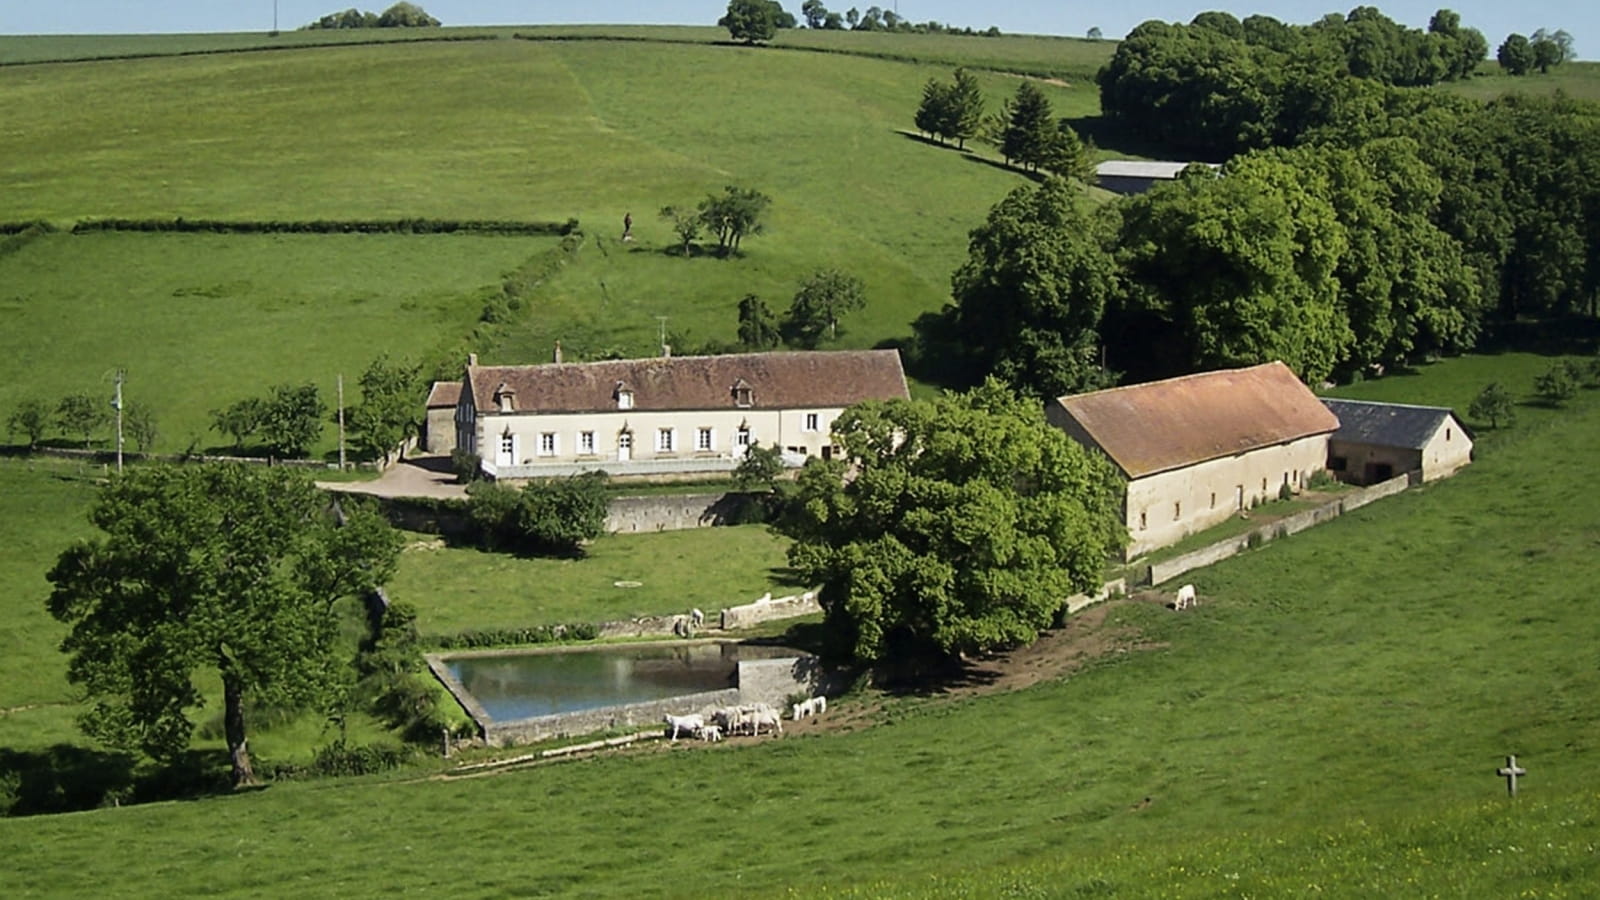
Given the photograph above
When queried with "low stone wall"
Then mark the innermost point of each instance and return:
(674, 512)
(1161, 572)
(1395, 485)
(766, 609)
(644, 626)
(1079, 601)
(588, 721)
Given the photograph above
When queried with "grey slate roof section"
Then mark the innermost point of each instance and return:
(1387, 424)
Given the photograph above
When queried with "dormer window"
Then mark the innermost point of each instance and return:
(505, 398)
(742, 395)
(624, 395)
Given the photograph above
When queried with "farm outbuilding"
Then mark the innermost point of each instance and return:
(1377, 441)
(1135, 176)
(439, 428)
(1198, 449)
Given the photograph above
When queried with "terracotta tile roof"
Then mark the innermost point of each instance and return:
(786, 380)
(1388, 424)
(444, 393)
(1162, 425)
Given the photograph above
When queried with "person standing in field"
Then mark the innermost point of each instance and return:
(627, 226)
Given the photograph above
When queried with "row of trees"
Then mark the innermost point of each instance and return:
(1519, 55)
(400, 15)
(760, 20)
(1220, 86)
(290, 419)
(82, 416)
(1025, 130)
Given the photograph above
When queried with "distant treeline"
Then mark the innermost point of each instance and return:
(320, 226)
(396, 38)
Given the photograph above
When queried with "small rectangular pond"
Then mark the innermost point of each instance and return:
(512, 686)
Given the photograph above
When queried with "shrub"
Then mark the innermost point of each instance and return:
(1285, 492)
(1558, 385)
(552, 516)
(467, 466)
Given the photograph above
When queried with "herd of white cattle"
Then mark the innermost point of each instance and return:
(749, 720)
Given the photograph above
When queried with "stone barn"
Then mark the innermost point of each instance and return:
(1198, 449)
(439, 428)
(1377, 441)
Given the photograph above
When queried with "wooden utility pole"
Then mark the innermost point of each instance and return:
(341, 422)
(118, 404)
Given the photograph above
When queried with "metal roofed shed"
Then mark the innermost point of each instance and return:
(1135, 176)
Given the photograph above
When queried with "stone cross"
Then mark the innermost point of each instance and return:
(1509, 772)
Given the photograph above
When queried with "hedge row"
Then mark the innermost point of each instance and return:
(519, 286)
(261, 48)
(327, 226)
(505, 637)
(20, 234)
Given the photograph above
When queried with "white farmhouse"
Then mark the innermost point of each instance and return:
(1200, 448)
(664, 416)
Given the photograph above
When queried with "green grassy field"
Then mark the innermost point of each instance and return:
(519, 130)
(1576, 79)
(456, 589)
(1330, 716)
(200, 321)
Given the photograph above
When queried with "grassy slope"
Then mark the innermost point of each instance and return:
(1578, 79)
(457, 589)
(1071, 57)
(200, 321)
(1332, 712)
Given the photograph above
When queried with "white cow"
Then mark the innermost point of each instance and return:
(696, 617)
(810, 707)
(1185, 597)
(801, 710)
(767, 718)
(687, 724)
(711, 733)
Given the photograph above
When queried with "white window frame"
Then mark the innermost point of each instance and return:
(548, 443)
(813, 422)
(586, 445)
(705, 440)
(666, 440)
(624, 399)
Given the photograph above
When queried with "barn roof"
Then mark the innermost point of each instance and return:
(785, 380)
(1162, 425)
(444, 393)
(1388, 424)
(1140, 168)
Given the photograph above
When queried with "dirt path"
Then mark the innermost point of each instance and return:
(421, 476)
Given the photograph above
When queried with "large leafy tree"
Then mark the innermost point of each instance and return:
(966, 522)
(227, 569)
(1516, 54)
(1236, 269)
(824, 297)
(292, 419)
(733, 215)
(391, 395)
(754, 20)
(83, 415)
(1030, 296)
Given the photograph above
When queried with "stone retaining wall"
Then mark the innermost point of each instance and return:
(767, 609)
(1158, 573)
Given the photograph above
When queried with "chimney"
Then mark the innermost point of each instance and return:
(558, 351)
(472, 359)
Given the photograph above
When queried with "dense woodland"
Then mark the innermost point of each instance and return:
(1360, 220)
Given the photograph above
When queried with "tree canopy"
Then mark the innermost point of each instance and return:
(391, 395)
(1030, 297)
(967, 522)
(824, 297)
(223, 568)
(755, 20)
(734, 215)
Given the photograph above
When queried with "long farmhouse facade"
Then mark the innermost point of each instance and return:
(664, 416)
(1200, 448)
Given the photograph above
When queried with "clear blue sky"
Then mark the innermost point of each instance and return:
(1581, 18)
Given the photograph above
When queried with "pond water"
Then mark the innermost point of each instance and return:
(525, 685)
